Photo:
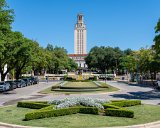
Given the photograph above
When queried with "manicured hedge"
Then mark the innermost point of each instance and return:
(51, 113)
(77, 90)
(33, 105)
(126, 103)
(54, 87)
(74, 80)
(88, 110)
(51, 107)
(119, 113)
(44, 113)
(70, 79)
(63, 87)
(106, 106)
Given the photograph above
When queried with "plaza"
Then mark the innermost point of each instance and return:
(79, 64)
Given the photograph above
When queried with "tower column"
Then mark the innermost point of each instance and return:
(80, 36)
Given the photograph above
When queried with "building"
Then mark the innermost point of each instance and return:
(80, 36)
(80, 42)
(79, 59)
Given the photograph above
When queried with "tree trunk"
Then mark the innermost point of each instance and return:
(3, 76)
(18, 72)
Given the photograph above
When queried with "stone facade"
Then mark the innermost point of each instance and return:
(80, 36)
(79, 59)
(79, 42)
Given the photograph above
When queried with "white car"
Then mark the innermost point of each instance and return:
(4, 86)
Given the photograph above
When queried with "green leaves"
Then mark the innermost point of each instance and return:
(103, 58)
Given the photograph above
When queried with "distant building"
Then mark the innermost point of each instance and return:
(80, 36)
(79, 59)
(80, 44)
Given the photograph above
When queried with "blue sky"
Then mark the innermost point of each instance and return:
(122, 23)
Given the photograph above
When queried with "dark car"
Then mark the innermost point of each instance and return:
(34, 80)
(27, 81)
(13, 85)
(20, 83)
(4, 86)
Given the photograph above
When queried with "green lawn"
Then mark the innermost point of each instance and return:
(81, 84)
(143, 114)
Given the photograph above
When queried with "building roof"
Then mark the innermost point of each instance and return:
(77, 55)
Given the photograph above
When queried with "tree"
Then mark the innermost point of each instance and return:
(58, 59)
(27, 54)
(6, 19)
(128, 63)
(9, 52)
(102, 58)
(71, 65)
(157, 38)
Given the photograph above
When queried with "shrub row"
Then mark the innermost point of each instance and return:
(51, 107)
(50, 113)
(43, 113)
(114, 108)
(89, 110)
(54, 87)
(126, 103)
(33, 105)
(106, 106)
(77, 90)
(63, 87)
(119, 112)
(69, 78)
(74, 80)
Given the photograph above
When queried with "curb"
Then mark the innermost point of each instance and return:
(15, 126)
(147, 125)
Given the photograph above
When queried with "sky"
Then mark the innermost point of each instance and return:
(115, 23)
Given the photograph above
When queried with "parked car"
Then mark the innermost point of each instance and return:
(20, 83)
(27, 81)
(13, 85)
(158, 84)
(4, 86)
(34, 80)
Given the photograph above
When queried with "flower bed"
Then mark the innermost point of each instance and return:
(75, 105)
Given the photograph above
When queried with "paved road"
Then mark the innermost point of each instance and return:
(145, 93)
(29, 92)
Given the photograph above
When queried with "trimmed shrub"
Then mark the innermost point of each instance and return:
(70, 79)
(54, 87)
(106, 106)
(89, 110)
(95, 78)
(33, 105)
(50, 113)
(77, 90)
(63, 87)
(119, 113)
(91, 78)
(126, 103)
(51, 107)
(118, 100)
